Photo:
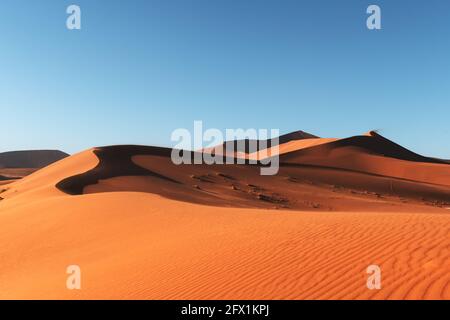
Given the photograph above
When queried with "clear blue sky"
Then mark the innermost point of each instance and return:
(140, 69)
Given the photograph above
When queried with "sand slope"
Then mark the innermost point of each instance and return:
(298, 185)
(18, 164)
(142, 228)
(373, 154)
(141, 246)
(241, 148)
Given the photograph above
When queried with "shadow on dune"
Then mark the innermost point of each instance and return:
(344, 164)
(373, 143)
(251, 145)
(378, 144)
(114, 161)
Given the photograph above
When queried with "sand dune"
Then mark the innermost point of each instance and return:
(287, 147)
(141, 227)
(140, 246)
(373, 154)
(16, 173)
(18, 164)
(30, 159)
(309, 178)
(242, 147)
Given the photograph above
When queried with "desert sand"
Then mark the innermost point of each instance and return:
(141, 227)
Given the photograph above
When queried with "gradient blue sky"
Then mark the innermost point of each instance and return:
(140, 69)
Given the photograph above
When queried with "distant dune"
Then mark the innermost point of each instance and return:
(242, 147)
(141, 227)
(30, 159)
(18, 164)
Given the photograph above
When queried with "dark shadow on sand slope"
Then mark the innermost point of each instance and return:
(374, 144)
(250, 145)
(114, 161)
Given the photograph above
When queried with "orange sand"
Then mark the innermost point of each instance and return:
(142, 245)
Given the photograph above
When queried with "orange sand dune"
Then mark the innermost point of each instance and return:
(150, 169)
(141, 246)
(290, 146)
(141, 227)
(41, 184)
(375, 155)
(7, 181)
(287, 142)
(16, 173)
